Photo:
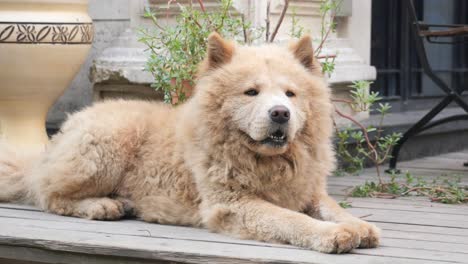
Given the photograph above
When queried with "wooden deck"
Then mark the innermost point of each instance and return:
(414, 231)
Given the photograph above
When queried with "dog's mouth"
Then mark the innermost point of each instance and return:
(276, 139)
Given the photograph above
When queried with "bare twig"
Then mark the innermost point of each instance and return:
(195, 21)
(322, 42)
(366, 136)
(244, 30)
(324, 37)
(325, 56)
(364, 216)
(335, 125)
(155, 21)
(342, 101)
(280, 20)
(202, 6)
(168, 7)
(382, 195)
(224, 15)
(267, 21)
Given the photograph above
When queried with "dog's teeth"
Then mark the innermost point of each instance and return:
(277, 138)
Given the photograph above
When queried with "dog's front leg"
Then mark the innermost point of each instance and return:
(257, 219)
(326, 208)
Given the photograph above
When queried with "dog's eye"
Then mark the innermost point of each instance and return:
(290, 94)
(251, 92)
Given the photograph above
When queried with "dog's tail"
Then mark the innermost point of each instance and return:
(15, 168)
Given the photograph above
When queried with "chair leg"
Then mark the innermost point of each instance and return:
(462, 103)
(416, 128)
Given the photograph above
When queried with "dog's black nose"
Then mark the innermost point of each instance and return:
(279, 114)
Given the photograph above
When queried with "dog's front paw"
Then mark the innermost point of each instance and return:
(368, 233)
(337, 238)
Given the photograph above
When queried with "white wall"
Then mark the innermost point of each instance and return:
(357, 28)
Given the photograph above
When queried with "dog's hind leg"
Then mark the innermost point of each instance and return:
(78, 176)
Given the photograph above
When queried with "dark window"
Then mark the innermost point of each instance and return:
(399, 75)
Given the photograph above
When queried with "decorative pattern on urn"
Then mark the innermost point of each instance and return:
(46, 33)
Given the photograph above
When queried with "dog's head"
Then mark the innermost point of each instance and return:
(267, 94)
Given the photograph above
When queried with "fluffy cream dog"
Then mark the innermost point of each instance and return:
(247, 155)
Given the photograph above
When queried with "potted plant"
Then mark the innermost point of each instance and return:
(177, 50)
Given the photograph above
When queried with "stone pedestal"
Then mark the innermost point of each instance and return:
(349, 67)
(119, 71)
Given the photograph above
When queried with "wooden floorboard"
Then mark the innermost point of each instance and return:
(195, 251)
(420, 236)
(414, 230)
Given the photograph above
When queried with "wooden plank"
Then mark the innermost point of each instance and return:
(456, 155)
(426, 175)
(38, 215)
(339, 190)
(138, 229)
(409, 218)
(354, 180)
(19, 207)
(417, 219)
(412, 228)
(25, 255)
(39, 255)
(410, 235)
(416, 254)
(194, 251)
(443, 247)
(135, 228)
(436, 216)
(417, 206)
(418, 201)
(130, 227)
(409, 207)
(436, 164)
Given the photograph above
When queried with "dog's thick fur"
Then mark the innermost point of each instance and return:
(204, 163)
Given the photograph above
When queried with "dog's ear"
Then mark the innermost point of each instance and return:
(304, 52)
(219, 51)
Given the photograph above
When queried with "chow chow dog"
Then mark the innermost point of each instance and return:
(247, 155)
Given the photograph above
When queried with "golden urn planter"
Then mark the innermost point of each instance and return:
(43, 43)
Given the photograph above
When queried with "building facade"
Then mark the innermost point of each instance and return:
(115, 65)
(372, 42)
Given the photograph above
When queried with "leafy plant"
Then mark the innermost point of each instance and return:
(444, 190)
(328, 10)
(369, 142)
(297, 30)
(345, 204)
(176, 51)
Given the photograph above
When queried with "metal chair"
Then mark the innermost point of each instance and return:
(421, 31)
